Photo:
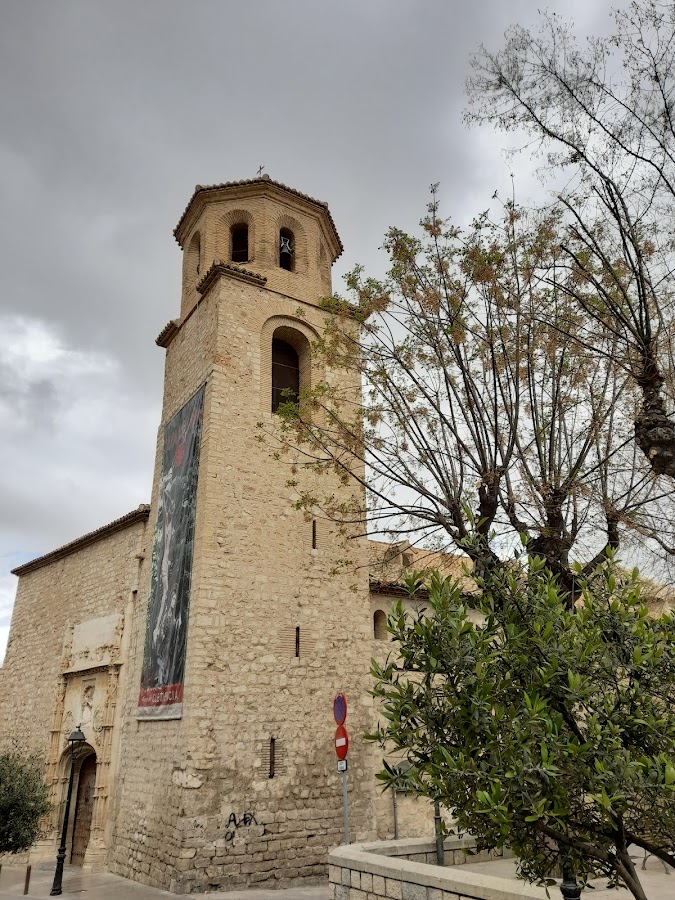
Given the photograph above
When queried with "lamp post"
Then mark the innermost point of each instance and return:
(438, 831)
(569, 887)
(75, 738)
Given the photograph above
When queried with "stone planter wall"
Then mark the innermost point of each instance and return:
(407, 870)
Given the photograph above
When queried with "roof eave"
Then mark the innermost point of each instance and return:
(126, 521)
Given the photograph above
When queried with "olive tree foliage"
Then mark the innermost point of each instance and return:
(23, 801)
(547, 730)
(485, 415)
(601, 114)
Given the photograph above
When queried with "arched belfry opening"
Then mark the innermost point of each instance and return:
(239, 242)
(191, 267)
(285, 373)
(192, 258)
(287, 249)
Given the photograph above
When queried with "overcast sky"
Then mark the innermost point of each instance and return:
(111, 112)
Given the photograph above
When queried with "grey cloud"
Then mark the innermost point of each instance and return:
(111, 112)
(30, 407)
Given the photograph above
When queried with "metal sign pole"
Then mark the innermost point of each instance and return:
(341, 748)
(345, 808)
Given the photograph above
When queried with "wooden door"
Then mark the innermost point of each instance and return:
(83, 810)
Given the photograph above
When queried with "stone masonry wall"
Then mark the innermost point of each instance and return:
(148, 840)
(242, 790)
(198, 809)
(94, 581)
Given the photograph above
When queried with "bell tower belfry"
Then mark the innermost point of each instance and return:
(280, 234)
(243, 633)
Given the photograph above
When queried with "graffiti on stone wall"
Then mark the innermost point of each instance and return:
(235, 823)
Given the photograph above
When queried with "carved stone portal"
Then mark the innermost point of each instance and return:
(85, 697)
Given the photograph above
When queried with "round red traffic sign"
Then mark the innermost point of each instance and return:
(340, 709)
(341, 742)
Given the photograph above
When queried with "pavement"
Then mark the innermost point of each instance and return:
(104, 886)
(657, 882)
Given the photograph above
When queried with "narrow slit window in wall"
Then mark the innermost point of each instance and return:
(313, 534)
(297, 640)
(240, 243)
(285, 373)
(272, 754)
(273, 757)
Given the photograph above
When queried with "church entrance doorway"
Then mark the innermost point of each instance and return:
(84, 808)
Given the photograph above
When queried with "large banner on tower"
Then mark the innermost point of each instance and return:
(161, 695)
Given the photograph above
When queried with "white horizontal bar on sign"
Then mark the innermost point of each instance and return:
(340, 742)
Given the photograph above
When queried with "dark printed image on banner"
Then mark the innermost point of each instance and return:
(161, 695)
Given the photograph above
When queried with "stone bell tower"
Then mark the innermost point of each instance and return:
(229, 776)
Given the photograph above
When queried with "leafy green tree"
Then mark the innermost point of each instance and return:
(548, 730)
(23, 802)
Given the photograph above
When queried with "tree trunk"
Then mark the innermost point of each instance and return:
(627, 870)
(655, 433)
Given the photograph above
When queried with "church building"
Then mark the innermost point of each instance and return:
(199, 640)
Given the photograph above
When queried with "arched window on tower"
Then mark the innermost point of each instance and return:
(286, 249)
(380, 625)
(285, 373)
(239, 235)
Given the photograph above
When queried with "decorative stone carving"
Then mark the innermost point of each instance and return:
(68, 724)
(97, 723)
(87, 702)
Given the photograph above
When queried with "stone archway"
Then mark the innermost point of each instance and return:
(87, 697)
(84, 810)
